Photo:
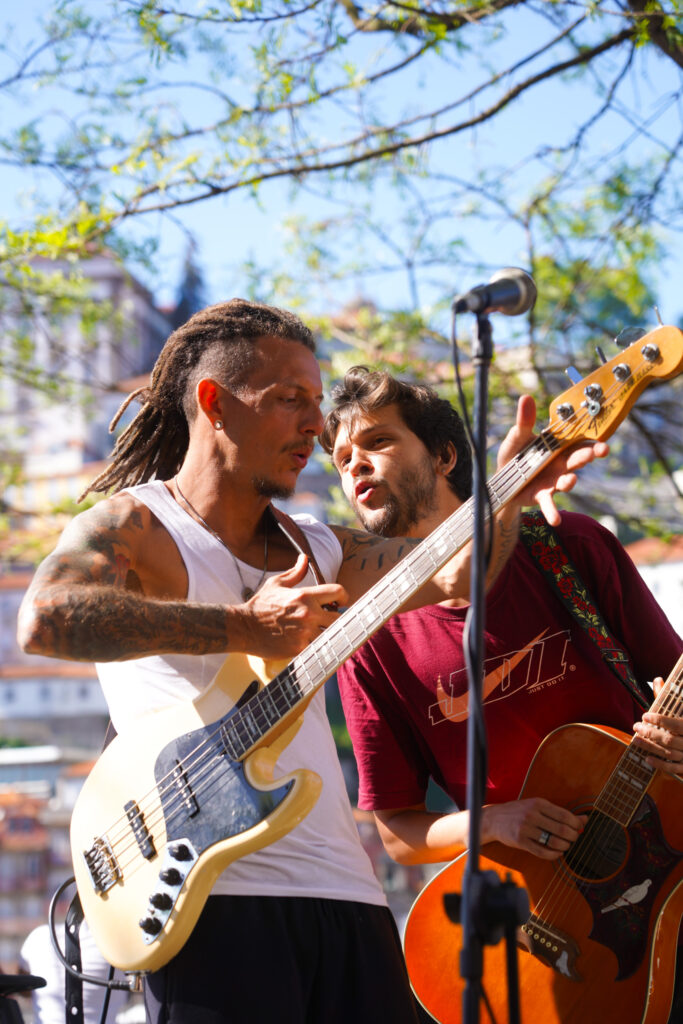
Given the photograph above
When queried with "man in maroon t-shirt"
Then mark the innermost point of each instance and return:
(405, 465)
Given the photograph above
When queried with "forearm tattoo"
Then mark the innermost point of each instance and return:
(107, 624)
(86, 601)
(507, 538)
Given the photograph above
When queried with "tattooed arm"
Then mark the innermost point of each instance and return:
(366, 558)
(113, 589)
(93, 598)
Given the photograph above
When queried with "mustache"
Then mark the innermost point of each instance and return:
(302, 448)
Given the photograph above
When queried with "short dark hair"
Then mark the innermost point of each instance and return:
(215, 342)
(432, 419)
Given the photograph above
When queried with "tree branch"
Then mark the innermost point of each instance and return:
(668, 38)
(419, 19)
(294, 169)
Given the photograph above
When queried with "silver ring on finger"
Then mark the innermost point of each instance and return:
(544, 838)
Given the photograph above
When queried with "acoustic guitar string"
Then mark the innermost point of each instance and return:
(558, 884)
(549, 906)
(614, 799)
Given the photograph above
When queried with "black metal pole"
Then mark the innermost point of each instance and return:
(472, 956)
(489, 909)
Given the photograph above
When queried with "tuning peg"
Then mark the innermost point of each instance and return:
(573, 374)
(629, 335)
(600, 354)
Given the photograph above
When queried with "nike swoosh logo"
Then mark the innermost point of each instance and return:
(456, 708)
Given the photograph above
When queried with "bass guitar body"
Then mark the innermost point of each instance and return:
(601, 942)
(168, 806)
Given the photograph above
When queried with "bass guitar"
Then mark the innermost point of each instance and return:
(600, 942)
(187, 790)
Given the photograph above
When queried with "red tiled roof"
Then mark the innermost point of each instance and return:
(15, 580)
(654, 550)
(61, 669)
(80, 770)
(13, 798)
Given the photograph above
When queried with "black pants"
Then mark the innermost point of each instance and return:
(256, 960)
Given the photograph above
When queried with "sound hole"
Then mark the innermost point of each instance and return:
(601, 849)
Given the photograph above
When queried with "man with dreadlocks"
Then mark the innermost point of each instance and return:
(186, 563)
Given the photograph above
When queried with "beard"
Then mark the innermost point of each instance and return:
(266, 488)
(414, 497)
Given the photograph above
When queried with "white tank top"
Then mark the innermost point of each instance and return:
(323, 855)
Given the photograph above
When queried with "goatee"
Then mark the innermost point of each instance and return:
(417, 489)
(270, 489)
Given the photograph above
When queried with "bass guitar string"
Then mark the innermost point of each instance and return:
(538, 445)
(535, 445)
(152, 807)
(215, 776)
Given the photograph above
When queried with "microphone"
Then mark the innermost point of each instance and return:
(510, 291)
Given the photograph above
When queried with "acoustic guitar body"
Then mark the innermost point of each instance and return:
(601, 942)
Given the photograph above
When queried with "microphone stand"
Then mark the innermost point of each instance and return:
(488, 907)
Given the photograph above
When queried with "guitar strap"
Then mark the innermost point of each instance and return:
(297, 538)
(553, 561)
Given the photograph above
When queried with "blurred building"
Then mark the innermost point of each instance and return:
(53, 440)
(58, 446)
(24, 866)
(660, 563)
(38, 789)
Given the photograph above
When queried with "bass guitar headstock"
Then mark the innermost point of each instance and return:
(594, 407)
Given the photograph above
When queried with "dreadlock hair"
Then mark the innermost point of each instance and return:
(432, 419)
(219, 342)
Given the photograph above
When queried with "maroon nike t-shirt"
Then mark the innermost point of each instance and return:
(405, 691)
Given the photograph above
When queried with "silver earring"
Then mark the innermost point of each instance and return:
(218, 424)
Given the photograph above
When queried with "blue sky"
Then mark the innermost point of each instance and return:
(231, 230)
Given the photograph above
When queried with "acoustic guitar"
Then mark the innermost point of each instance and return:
(600, 942)
(186, 790)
